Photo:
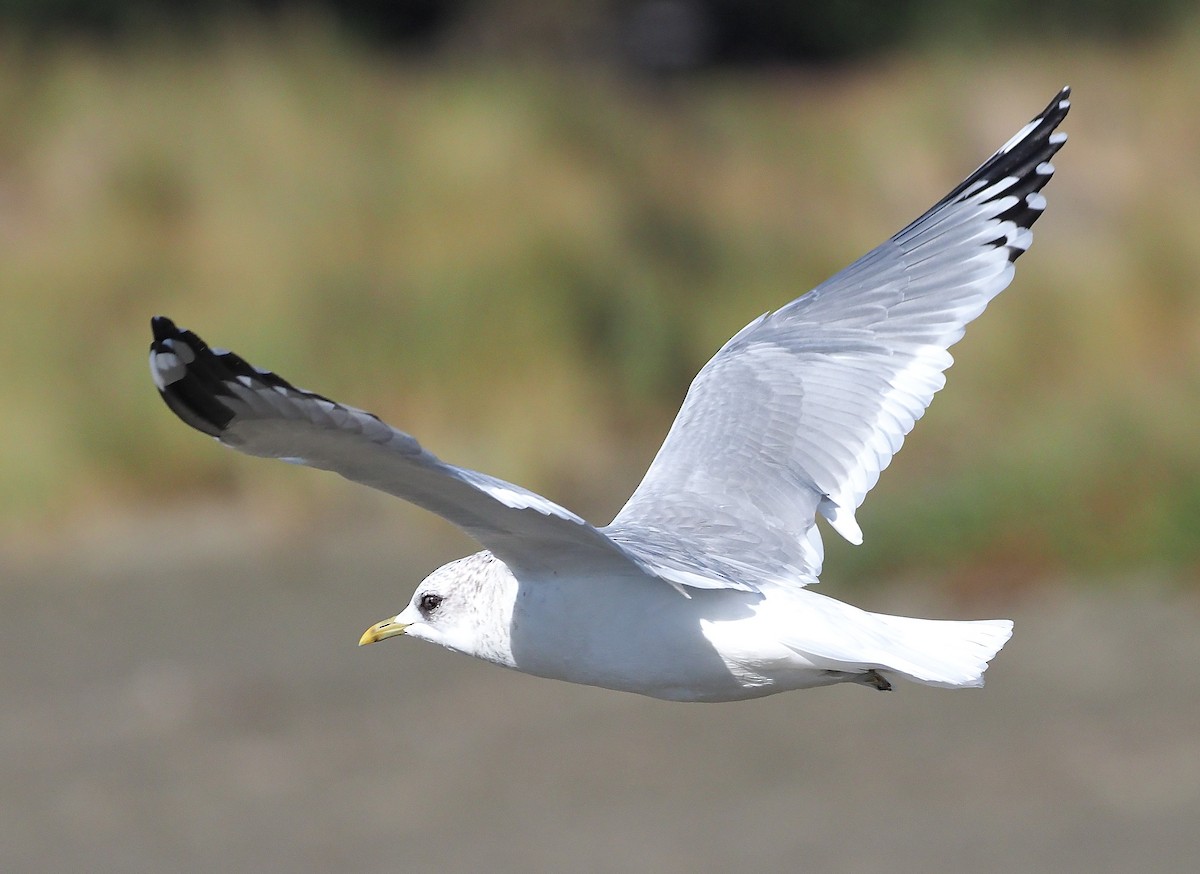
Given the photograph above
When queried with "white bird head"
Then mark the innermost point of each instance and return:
(465, 606)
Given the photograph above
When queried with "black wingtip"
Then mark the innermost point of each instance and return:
(1058, 108)
(181, 365)
(162, 328)
(202, 385)
(1026, 157)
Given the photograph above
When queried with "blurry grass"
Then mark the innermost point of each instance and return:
(525, 266)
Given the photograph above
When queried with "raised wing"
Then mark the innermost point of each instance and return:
(259, 413)
(802, 409)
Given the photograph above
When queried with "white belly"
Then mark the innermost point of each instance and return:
(643, 636)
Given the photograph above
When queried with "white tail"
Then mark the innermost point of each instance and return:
(940, 652)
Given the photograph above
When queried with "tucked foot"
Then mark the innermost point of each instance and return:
(871, 678)
(875, 680)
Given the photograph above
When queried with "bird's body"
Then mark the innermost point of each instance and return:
(717, 645)
(696, 590)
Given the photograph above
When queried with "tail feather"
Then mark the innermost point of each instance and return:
(938, 652)
(839, 637)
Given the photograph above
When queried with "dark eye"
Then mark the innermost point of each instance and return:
(429, 602)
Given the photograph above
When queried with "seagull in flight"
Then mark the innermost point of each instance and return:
(696, 591)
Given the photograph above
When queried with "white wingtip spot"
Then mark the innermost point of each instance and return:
(185, 352)
(166, 368)
(1035, 200)
(1058, 138)
(1022, 238)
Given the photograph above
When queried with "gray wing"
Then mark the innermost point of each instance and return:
(259, 413)
(802, 409)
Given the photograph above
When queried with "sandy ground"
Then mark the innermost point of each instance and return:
(190, 699)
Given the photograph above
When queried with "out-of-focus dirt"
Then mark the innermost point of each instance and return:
(186, 700)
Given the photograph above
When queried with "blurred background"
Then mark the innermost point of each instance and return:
(517, 230)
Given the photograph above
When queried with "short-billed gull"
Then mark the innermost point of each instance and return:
(696, 590)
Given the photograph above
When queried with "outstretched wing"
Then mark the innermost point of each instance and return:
(802, 409)
(259, 413)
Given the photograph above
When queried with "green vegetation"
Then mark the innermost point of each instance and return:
(524, 265)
